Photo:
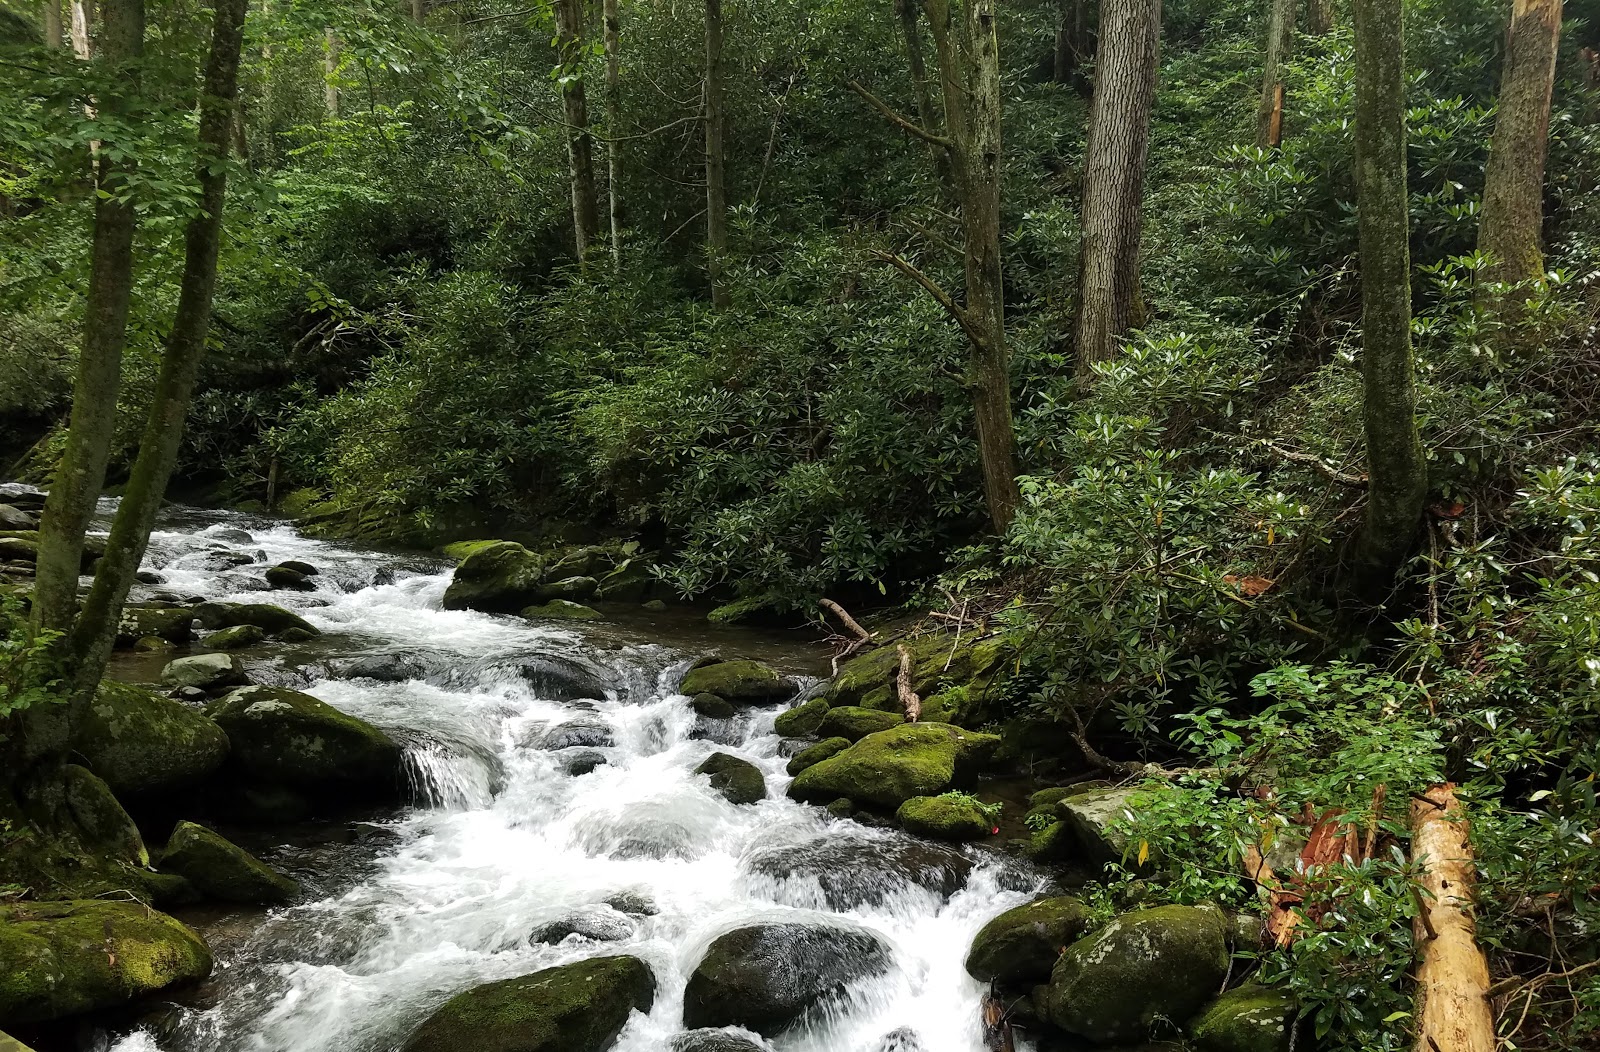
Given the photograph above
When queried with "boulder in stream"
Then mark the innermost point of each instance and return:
(205, 671)
(739, 781)
(749, 682)
(597, 924)
(719, 1039)
(140, 742)
(235, 638)
(561, 610)
(71, 957)
(573, 589)
(498, 577)
(1250, 1018)
(712, 706)
(767, 976)
(221, 869)
(284, 736)
(1020, 946)
(288, 579)
(890, 767)
(161, 620)
(15, 518)
(861, 869)
(579, 1007)
(950, 816)
(802, 720)
(273, 620)
(812, 755)
(854, 723)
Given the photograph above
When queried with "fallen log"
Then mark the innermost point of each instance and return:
(1453, 1011)
(909, 699)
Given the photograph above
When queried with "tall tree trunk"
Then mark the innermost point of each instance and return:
(1396, 471)
(927, 114)
(580, 145)
(1113, 178)
(611, 29)
(419, 11)
(330, 72)
(54, 34)
(716, 186)
(96, 627)
(1280, 43)
(1319, 16)
(1066, 56)
(82, 28)
(1513, 180)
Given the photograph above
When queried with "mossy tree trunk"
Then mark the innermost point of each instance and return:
(1109, 301)
(1396, 470)
(1513, 180)
(611, 36)
(54, 35)
(580, 144)
(716, 185)
(1280, 43)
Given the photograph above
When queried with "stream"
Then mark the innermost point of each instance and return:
(403, 909)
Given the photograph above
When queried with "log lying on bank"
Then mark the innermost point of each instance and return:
(1453, 1012)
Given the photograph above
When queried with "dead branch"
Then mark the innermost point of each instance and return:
(1322, 467)
(909, 700)
(896, 119)
(849, 622)
(973, 333)
(1453, 1010)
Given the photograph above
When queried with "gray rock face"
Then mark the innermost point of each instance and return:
(708, 1039)
(597, 924)
(767, 976)
(205, 671)
(14, 518)
(855, 871)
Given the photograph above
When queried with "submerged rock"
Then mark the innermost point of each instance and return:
(1249, 1019)
(498, 577)
(902, 1039)
(854, 723)
(581, 761)
(767, 976)
(890, 767)
(740, 681)
(281, 735)
(561, 610)
(863, 870)
(802, 720)
(946, 817)
(205, 671)
(578, 1007)
(222, 870)
(633, 903)
(710, 1039)
(1021, 945)
(597, 925)
(140, 742)
(67, 958)
(739, 781)
(812, 755)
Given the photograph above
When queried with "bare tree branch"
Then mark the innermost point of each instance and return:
(897, 119)
(940, 295)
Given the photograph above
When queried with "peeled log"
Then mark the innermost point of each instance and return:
(1453, 1012)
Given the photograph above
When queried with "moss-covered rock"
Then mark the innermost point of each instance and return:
(281, 735)
(503, 576)
(560, 610)
(712, 707)
(890, 767)
(578, 1007)
(101, 822)
(1248, 1019)
(854, 723)
(815, 754)
(739, 781)
(938, 664)
(221, 869)
(274, 620)
(630, 582)
(802, 720)
(1021, 945)
(947, 817)
(572, 589)
(1156, 964)
(11, 1044)
(459, 550)
(159, 620)
(751, 610)
(66, 958)
(1090, 818)
(766, 976)
(205, 671)
(742, 681)
(1053, 843)
(1057, 793)
(235, 638)
(140, 742)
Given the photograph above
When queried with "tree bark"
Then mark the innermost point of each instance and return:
(1513, 180)
(611, 19)
(1280, 43)
(330, 72)
(580, 144)
(927, 115)
(716, 186)
(1396, 470)
(54, 34)
(82, 28)
(96, 627)
(1319, 16)
(1453, 1011)
(1109, 301)
(419, 11)
(1067, 53)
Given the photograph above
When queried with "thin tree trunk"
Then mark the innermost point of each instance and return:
(419, 11)
(1109, 301)
(186, 343)
(82, 29)
(330, 72)
(54, 34)
(1280, 43)
(1319, 16)
(1396, 470)
(1453, 1011)
(1513, 180)
(1069, 41)
(580, 145)
(611, 29)
(927, 115)
(716, 187)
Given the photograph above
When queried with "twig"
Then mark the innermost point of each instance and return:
(1321, 466)
(896, 119)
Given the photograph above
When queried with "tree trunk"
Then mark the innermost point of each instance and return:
(716, 187)
(580, 145)
(1280, 43)
(612, 35)
(82, 28)
(1113, 178)
(1067, 53)
(1513, 180)
(330, 72)
(1453, 1011)
(419, 11)
(1319, 16)
(1396, 471)
(54, 34)
(96, 627)
(927, 114)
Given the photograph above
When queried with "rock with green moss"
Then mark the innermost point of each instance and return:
(11, 1044)
(712, 706)
(950, 816)
(803, 720)
(500, 577)
(1052, 843)
(235, 638)
(459, 550)
(101, 821)
(890, 767)
(630, 582)
(767, 976)
(561, 610)
(1150, 966)
(751, 610)
(284, 736)
(1250, 1018)
(274, 620)
(140, 742)
(739, 781)
(165, 621)
(221, 869)
(205, 672)
(955, 673)
(572, 589)
(1092, 816)
(1057, 793)
(812, 755)
(67, 958)
(578, 1007)
(854, 723)
(750, 682)
(1021, 945)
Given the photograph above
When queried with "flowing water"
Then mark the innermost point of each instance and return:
(427, 901)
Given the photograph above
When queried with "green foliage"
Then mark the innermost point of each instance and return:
(990, 811)
(27, 667)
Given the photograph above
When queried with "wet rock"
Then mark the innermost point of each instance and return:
(1249, 1019)
(739, 781)
(221, 869)
(67, 958)
(572, 589)
(750, 682)
(152, 645)
(559, 678)
(650, 838)
(581, 761)
(235, 638)
(140, 742)
(938, 664)
(591, 734)
(498, 577)
(712, 706)
(284, 579)
(854, 723)
(1089, 818)
(301, 567)
(767, 976)
(161, 620)
(722, 732)
(865, 870)
(709, 1039)
(297, 635)
(99, 818)
(14, 518)
(22, 495)
(841, 808)
(561, 610)
(596, 925)
(633, 903)
(1020, 946)
(578, 1007)
(1157, 964)
(947, 817)
(903, 1039)
(284, 736)
(812, 755)
(384, 668)
(890, 767)
(273, 620)
(205, 671)
(149, 577)
(230, 535)
(802, 720)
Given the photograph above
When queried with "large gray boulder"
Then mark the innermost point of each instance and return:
(767, 976)
(286, 737)
(204, 672)
(500, 577)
